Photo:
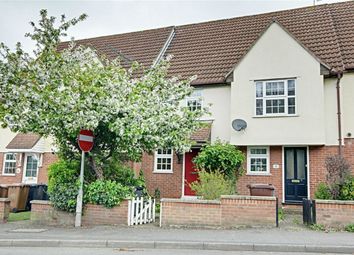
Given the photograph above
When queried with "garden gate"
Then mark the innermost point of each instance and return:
(141, 211)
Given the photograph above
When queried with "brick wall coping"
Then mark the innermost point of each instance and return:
(248, 197)
(41, 202)
(341, 202)
(190, 201)
(4, 199)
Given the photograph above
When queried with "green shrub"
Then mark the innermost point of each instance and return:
(350, 228)
(211, 185)
(107, 193)
(323, 192)
(63, 184)
(222, 157)
(347, 190)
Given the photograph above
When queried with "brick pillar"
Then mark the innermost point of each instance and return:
(4, 209)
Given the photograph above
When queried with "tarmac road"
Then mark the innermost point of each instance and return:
(110, 251)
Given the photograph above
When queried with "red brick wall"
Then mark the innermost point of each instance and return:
(231, 211)
(48, 158)
(190, 213)
(4, 209)
(169, 184)
(334, 213)
(99, 215)
(318, 155)
(274, 178)
(238, 210)
(42, 212)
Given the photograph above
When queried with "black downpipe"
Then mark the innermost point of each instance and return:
(339, 115)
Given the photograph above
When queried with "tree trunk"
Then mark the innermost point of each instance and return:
(97, 170)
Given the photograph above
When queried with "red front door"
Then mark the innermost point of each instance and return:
(190, 173)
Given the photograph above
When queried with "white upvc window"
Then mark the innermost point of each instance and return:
(258, 160)
(163, 162)
(9, 167)
(195, 100)
(275, 97)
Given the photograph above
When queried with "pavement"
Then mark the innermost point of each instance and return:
(150, 236)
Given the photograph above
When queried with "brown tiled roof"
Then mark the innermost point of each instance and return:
(211, 49)
(202, 135)
(142, 46)
(23, 141)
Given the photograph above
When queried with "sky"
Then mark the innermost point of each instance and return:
(120, 16)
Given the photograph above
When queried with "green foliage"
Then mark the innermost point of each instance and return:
(211, 185)
(338, 171)
(350, 228)
(115, 170)
(280, 214)
(221, 157)
(63, 184)
(347, 190)
(107, 193)
(57, 93)
(318, 227)
(323, 192)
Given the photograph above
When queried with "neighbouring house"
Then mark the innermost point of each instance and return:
(288, 74)
(24, 158)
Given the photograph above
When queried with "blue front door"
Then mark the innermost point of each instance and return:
(295, 159)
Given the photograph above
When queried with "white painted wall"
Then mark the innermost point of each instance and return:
(347, 95)
(5, 137)
(219, 98)
(277, 55)
(330, 94)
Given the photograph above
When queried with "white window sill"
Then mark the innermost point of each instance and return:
(8, 174)
(275, 116)
(162, 172)
(259, 174)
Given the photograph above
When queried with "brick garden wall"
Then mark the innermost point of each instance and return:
(190, 212)
(43, 213)
(169, 184)
(230, 211)
(4, 209)
(334, 213)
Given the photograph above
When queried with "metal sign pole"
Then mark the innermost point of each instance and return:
(80, 195)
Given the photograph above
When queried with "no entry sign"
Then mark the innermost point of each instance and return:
(85, 140)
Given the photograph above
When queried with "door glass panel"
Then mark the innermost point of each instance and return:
(290, 164)
(301, 173)
(31, 166)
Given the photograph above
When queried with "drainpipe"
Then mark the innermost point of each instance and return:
(339, 117)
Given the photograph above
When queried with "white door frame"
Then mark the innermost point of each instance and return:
(25, 168)
(308, 168)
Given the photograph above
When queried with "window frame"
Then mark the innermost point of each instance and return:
(262, 156)
(197, 98)
(11, 161)
(162, 156)
(284, 97)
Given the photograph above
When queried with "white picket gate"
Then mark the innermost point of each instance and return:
(141, 211)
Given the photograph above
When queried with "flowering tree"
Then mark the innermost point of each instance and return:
(58, 93)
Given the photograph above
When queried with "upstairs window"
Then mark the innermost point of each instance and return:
(275, 97)
(195, 101)
(163, 161)
(9, 164)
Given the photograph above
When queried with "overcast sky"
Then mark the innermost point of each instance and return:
(113, 17)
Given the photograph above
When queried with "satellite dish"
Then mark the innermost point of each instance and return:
(239, 124)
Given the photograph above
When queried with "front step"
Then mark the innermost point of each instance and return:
(292, 209)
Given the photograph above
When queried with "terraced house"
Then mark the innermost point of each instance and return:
(287, 75)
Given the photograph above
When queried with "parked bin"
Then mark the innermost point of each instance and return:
(36, 192)
(18, 194)
(261, 189)
(3, 191)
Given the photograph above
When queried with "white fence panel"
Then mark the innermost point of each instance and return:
(141, 211)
